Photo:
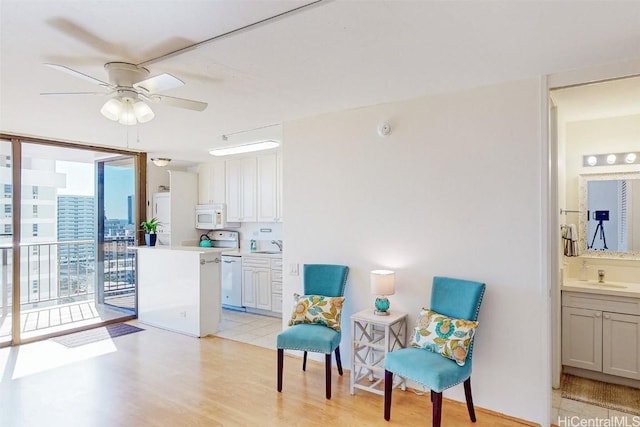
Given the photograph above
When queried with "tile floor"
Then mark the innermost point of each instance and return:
(567, 412)
(250, 328)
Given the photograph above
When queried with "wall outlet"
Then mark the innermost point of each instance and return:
(293, 269)
(183, 314)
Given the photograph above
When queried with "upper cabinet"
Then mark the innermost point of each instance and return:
(250, 186)
(269, 194)
(211, 183)
(241, 189)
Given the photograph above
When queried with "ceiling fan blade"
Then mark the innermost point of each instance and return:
(78, 74)
(74, 93)
(189, 104)
(159, 83)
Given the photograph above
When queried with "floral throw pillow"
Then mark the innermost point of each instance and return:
(317, 309)
(441, 334)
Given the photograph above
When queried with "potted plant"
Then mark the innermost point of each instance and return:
(150, 228)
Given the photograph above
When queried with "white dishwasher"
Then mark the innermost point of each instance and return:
(232, 282)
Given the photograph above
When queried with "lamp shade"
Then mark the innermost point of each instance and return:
(383, 282)
(112, 109)
(127, 116)
(143, 112)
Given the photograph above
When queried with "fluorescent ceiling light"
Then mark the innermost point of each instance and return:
(245, 148)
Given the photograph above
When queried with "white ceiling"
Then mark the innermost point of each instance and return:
(337, 55)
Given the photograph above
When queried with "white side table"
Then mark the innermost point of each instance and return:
(372, 337)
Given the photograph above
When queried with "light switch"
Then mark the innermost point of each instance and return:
(293, 269)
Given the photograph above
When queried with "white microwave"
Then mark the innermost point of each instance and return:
(212, 217)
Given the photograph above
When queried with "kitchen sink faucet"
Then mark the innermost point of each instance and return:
(278, 243)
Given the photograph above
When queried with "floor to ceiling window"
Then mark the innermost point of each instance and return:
(77, 216)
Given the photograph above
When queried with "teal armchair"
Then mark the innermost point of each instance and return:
(327, 281)
(456, 299)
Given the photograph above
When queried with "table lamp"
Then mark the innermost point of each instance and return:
(383, 283)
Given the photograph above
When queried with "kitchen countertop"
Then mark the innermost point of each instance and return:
(622, 289)
(249, 253)
(177, 248)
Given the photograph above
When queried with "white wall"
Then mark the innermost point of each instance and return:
(612, 135)
(454, 191)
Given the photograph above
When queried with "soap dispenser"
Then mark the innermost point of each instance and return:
(253, 245)
(584, 271)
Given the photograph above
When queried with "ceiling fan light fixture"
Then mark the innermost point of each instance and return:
(127, 111)
(127, 116)
(112, 109)
(143, 112)
(245, 148)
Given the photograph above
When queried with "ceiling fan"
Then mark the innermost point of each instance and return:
(130, 87)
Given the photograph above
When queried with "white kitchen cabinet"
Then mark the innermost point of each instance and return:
(240, 180)
(276, 285)
(248, 287)
(601, 333)
(256, 282)
(269, 188)
(263, 289)
(211, 183)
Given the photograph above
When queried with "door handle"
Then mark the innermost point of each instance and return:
(203, 262)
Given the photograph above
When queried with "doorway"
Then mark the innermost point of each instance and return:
(68, 215)
(590, 119)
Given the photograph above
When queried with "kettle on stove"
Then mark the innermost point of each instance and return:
(205, 241)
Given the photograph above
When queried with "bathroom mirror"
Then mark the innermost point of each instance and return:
(609, 224)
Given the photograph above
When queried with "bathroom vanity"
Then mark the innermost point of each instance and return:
(601, 330)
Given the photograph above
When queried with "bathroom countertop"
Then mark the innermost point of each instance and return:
(622, 289)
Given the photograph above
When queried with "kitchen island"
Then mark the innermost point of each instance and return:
(179, 288)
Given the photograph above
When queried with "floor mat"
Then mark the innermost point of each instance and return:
(95, 335)
(610, 396)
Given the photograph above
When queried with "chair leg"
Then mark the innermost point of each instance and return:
(432, 396)
(280, 366)
(388, 388)
(467, 394)
(437, 409)
(327, 368)
(304, 361)
(338, 361)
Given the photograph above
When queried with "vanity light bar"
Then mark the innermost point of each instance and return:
(628, 158)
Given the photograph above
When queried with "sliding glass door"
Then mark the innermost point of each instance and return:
(70, 227)
(116, 231)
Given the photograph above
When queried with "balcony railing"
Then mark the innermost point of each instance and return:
(62, 272)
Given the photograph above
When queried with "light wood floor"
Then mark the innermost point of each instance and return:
(158, 378)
